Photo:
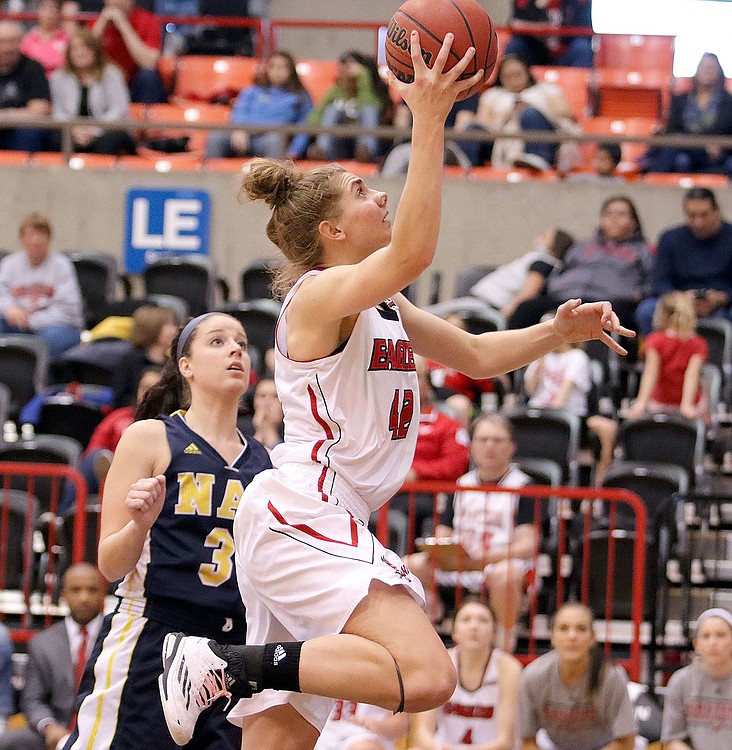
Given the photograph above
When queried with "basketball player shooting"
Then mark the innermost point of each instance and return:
(330, 612)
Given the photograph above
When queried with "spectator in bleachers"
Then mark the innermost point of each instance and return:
(358, 97)
(482, 710)
(46, 42)
(674, 355)
(358, 726)
(573, 51)
(90, 86)
(39, 291)
(397, 159)
(696, 258)
(97, 458)
(441, 452)
(279, 98)
(697, 710)
(132, 38)
(613, 264)
(56, 661)
(704, 110)
(524, 278)
(153, 331)
(484, 524)
(571, 693)
(604, 165)
(69, 10)
(7, 707)
(516, 102)
(266, 421)
(24, 92)
(562, 379)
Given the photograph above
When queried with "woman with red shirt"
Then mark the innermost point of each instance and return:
(675, 354)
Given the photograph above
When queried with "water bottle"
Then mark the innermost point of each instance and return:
(27, 431)
(10, 432)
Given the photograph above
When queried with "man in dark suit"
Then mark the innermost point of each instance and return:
(56, 659)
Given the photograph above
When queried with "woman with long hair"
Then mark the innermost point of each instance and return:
(331, 613)
(88, 85)
(482, 711)
(706, 109)
(277, 97)
(176, 478)
(577, 698)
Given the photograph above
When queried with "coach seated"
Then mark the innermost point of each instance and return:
(495, 529)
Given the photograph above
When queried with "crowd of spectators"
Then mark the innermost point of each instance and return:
(127, 54)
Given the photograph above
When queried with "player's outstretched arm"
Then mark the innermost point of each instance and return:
(498, 352)
(347, 289)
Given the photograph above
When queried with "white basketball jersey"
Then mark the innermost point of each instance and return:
(340, 732)
(356, 411)
(469, 717)
(485, 518)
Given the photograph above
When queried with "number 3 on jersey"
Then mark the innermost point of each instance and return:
(401, 413)
(219, 570)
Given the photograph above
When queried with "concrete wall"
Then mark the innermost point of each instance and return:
(482, 222)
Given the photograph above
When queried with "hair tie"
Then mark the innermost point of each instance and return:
(185, 334)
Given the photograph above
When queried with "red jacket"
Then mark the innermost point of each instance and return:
(442, 450)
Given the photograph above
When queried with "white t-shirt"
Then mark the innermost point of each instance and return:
(499, 287)
(556, 367)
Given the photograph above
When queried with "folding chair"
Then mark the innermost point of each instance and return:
(23, 368)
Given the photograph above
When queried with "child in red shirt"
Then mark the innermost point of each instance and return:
(675, 354)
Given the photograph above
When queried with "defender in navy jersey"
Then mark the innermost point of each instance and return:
(167, 532)
(330, 613)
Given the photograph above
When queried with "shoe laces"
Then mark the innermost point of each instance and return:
(212, 688)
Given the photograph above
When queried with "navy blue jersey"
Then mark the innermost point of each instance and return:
(189, 554)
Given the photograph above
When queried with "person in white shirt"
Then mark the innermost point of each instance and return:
(496, 529)
(39, 290)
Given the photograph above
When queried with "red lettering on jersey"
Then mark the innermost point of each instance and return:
(392, 355)
(468, 712)
(467, 737)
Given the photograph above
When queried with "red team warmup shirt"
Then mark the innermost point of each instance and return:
(442, 450)
(675, 354)
(147, 27)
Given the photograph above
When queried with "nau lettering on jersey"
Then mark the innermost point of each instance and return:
(468, 712)
(195, 495)
(392, 355)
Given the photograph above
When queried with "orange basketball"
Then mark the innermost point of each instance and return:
(466, 19)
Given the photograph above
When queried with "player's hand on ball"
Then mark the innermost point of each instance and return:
(432, 86)
(145, 500)
(575, 322)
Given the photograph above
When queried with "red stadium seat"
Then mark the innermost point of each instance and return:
(209, 78)
(622, 92)
(191, 112)
(636, 52)
(632, 126)
(515, 174)
(574, 82)
(317, 76)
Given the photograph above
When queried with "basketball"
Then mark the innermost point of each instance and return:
(433, 19)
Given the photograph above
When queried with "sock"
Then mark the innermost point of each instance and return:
(251, 669)
(281, 666)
